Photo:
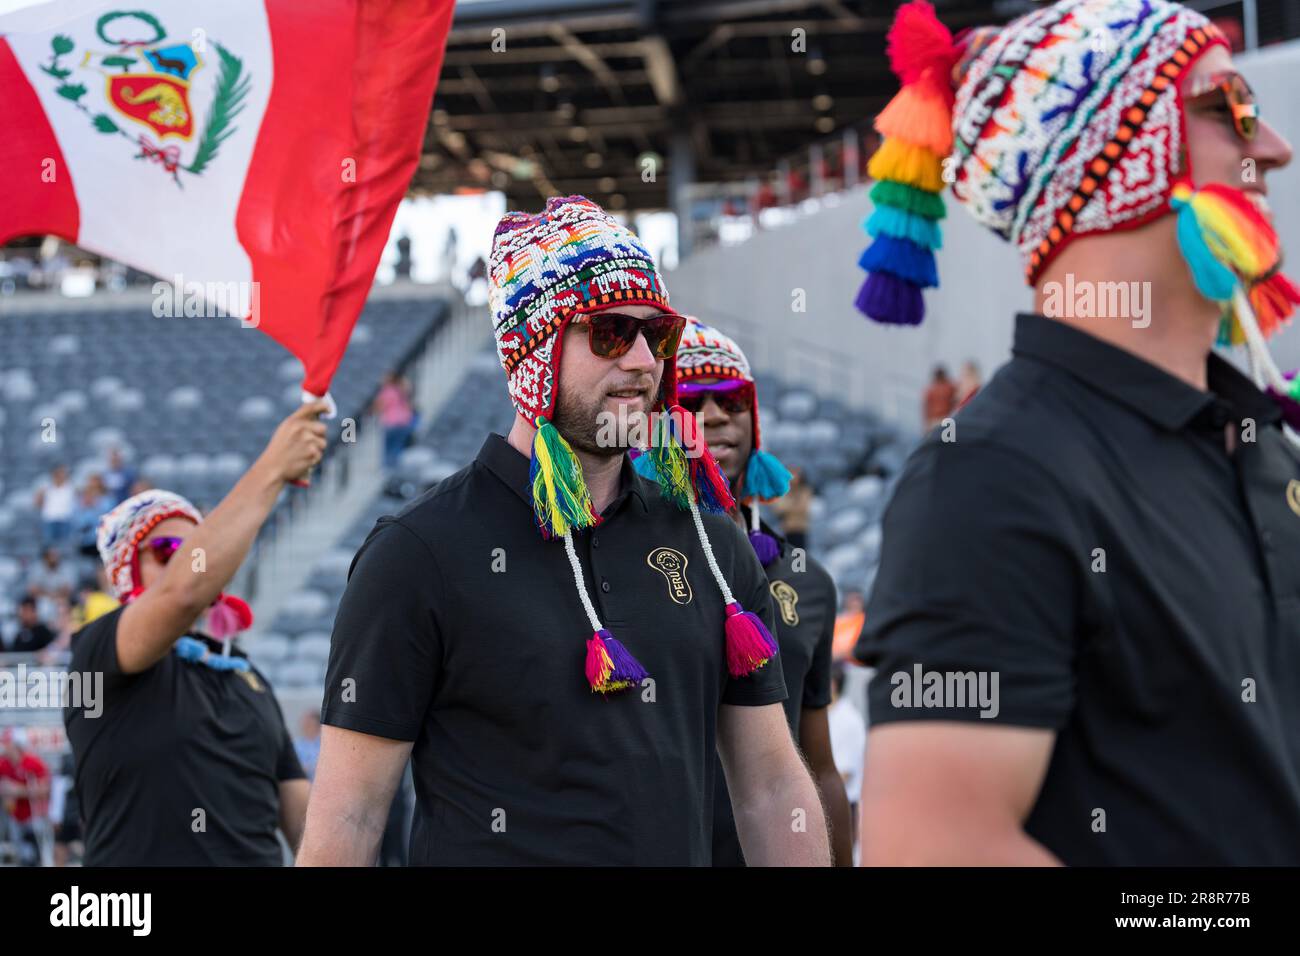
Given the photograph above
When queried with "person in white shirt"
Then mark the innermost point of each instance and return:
(56, 502)
(848, 728)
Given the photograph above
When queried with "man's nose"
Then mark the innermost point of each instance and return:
(1271, 149)
(639, 357)
(711, 413)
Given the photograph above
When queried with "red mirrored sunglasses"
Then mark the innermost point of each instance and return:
(1233, 97)
(162, 548)
(612, 334)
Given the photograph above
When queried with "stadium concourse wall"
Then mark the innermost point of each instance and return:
(754, 289)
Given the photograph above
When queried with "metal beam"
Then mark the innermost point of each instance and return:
(662, 71)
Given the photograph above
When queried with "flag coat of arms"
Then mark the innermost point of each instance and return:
(255, 150)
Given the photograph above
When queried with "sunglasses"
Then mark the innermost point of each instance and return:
(733, 402)
(1238, 101)
(163, 548)
(612, 334)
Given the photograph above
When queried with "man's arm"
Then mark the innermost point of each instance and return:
(293, 810)
(945, 793)
(778, 814)
(815, 742)
(356, 777)
(150, 625)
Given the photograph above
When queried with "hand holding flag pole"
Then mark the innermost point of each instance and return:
(323, 408)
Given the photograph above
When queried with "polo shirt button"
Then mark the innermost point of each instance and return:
(1266, 537)
(595, 542)
(604, 586)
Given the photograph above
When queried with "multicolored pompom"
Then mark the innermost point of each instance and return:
(908, 167)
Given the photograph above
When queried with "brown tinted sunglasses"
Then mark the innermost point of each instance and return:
(612, 334)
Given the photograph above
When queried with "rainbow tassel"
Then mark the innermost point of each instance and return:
(561, 501)
(610, 667)
(665, 462)
(1213, 279)
(908, 199)
(643, 464)
(1226, 241)
(228, 615)
(765, 547)
(908, 166)
(765, 477)
(903, 259)
(749, 644)
(888, 221)
(627, 670)
(1274, 300)
(920, 115)
(889, 299)
(1289, 401)
(712, 491)
(907, 163)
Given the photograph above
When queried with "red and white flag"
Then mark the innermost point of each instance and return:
(256, 150)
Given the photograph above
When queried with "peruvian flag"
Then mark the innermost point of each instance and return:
(254, 151)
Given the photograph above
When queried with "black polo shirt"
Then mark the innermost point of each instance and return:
(177, 738)
(1135, 587)
(461, 630)
(804, 603)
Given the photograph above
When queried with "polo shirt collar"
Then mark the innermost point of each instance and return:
(511, 466)
(1146, 389)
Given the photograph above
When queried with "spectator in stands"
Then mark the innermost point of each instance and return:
(848, 625)
(24, 789)
(393, 406)
(186, 721)
(94, 504)
(68, 846)
(794, 509)
(307, 743)
(848, 738)
(56, 501)
(968, 382)
(940, 398)
(118, 476)
(51, 582)
(140, 484)
(33, 633)
(93, 602)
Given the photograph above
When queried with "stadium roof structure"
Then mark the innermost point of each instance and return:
(546, 97)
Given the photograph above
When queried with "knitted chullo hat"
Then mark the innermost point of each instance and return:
(1066, 122)
(543, 270)
(121, 532)
(706, 353)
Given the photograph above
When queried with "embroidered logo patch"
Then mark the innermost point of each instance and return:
(786, 598)
(672, 565)
(1293, 495)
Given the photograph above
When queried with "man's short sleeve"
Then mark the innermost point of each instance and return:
(817, 683)
(287, 764)
(385, 652)
(979, 580)
(767, 684)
